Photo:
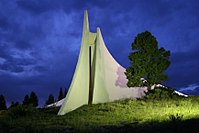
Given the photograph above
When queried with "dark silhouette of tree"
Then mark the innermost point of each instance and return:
(50, 100)
(65, 92)
(60, 97)
(14, 104)
(147, 62)
(26, 100)
(33, 99)
(2, 103)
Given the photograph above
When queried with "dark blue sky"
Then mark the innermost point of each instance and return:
(40, 40)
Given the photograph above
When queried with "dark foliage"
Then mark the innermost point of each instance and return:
(26, 100)
(31, 100)
(50, 100)
(21, 111)
(14, 104)
(161, 93)
(61, 96)
(2, 103)
(65, 92)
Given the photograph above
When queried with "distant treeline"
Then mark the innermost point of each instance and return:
(32, 100)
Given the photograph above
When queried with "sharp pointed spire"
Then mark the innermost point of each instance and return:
(86, 23)
(98, 31)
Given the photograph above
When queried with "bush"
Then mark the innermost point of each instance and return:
(50, 110)
(21, 111)
(160, 93)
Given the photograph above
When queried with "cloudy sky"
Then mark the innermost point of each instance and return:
(40, 40)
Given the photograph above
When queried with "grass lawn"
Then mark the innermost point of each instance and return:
(166, 115)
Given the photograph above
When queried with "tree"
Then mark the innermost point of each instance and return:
(33, 99)
(147, 62)
(60, 94)
(50, 100)
(65, 92)
(14, 104)
(26, 100)
(2, 103)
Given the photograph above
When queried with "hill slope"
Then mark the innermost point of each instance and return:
(170, 115)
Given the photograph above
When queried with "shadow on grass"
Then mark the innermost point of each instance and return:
(186, 126)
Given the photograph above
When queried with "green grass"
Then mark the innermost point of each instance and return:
(163, 115)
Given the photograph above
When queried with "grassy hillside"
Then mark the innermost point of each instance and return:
(166, 115)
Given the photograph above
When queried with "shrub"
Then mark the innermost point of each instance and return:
(160, 93)
(21, 111)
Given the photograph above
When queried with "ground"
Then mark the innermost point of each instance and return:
(159, 115)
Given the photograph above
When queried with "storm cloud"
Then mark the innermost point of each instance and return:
(40, 40)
